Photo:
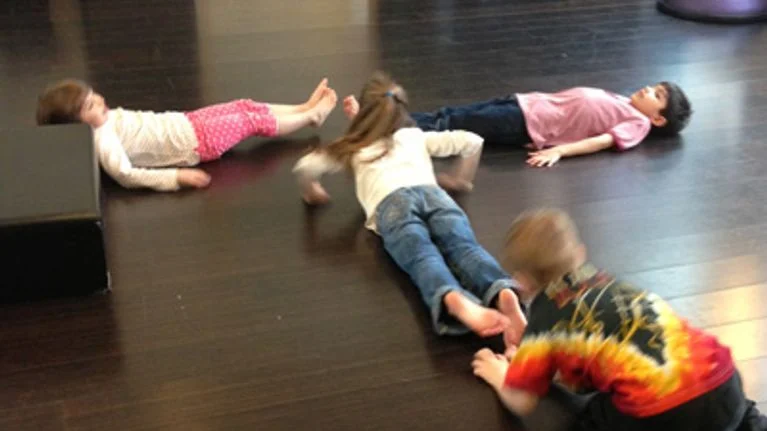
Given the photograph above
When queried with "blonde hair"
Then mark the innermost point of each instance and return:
(544, 244)
(61, 103)
(383, 111)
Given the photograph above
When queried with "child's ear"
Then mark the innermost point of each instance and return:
(583, 255)
(658, 120)
(526, 283)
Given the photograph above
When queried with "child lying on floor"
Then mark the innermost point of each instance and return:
(424, 231)
(570, 123)
(155, 150)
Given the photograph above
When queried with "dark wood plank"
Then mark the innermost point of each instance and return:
(48, 416)
(754, 380)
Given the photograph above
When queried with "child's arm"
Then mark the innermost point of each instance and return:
(351, 107)
(308, 170)
(465, 144)
(492, 367)
(116, 163)
(550, 156)
(312, 192)
(462, 177)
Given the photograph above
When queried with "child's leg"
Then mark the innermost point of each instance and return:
(220, 127)
(497, 120)
(314, 98)
(471, 263)
(407, 240)
(753, 420)
(439, 120)
(475, 268)
(315, 116)
(289, 122)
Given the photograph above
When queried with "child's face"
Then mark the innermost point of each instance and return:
(94, 110)
(651, 101)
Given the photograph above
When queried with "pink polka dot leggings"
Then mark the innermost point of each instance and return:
(220, 127)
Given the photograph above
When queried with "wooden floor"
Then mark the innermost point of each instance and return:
(234, 308)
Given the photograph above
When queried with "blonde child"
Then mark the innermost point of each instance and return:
(422, 228)
(650, 369)
(155, 150)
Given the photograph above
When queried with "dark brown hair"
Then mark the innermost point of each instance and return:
(383, 111)
(61, 103)
(677, 111)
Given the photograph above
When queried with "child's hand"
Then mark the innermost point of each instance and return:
(511, 350)
(195, 178)
(452, 184)
(491, 367)
(544, 158)
(315, 194)
(351, 107)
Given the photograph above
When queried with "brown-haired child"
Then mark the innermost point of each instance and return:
(155, 150)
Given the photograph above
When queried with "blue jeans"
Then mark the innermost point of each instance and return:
(430, 238)
(498, 120)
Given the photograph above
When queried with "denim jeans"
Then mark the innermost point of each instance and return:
(430, 238)
(498, 120)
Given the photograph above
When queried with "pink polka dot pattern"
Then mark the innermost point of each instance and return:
(220, 127)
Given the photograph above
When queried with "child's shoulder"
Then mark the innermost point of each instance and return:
(602, 94)
(407, 132)
(407, 136)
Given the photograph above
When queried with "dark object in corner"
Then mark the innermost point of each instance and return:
(51, 232)
(717, 11)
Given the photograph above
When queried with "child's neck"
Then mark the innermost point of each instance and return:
(637, 108)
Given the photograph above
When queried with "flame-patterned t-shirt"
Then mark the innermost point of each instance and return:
(591, 331)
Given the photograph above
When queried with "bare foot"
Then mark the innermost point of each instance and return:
(319, 112)
(508, 305)
(316, 95)
(484, 321)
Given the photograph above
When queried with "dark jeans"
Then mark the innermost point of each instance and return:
(722, 409)
(498, 120)
(430, 238)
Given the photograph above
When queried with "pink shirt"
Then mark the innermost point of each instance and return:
(580, 113)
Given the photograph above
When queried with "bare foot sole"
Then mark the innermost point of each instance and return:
(316, 96)
(483, 321)
(323, 108)
(508, 305)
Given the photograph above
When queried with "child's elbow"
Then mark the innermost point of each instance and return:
(527, 406)
(475, 141)
(524, 404)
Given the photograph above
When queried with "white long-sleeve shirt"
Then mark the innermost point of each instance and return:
(138, 148)
(407, 164)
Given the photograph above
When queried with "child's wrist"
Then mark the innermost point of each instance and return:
(463, 178)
